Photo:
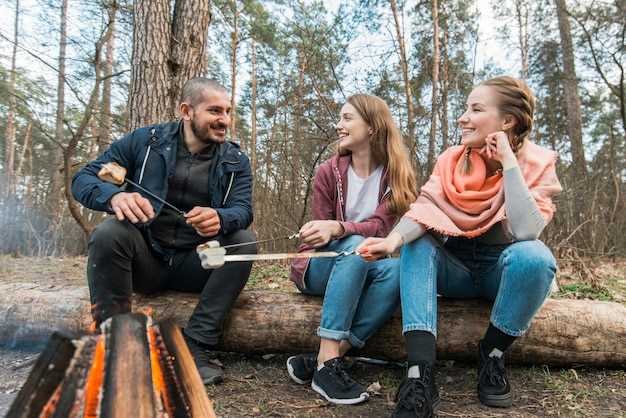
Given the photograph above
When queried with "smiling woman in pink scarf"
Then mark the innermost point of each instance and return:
(473, 232)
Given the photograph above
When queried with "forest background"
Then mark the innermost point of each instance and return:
(77, 74)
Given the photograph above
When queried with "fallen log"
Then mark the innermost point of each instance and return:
(564, 333)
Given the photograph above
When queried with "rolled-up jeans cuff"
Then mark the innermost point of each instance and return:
(331, 334)
(418, 327)
(355, 341)
(514, 332)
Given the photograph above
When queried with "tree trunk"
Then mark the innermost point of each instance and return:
(253, 99)
(234, 43)
(188, 55)
(104, 131)
(10, 130)
(521, 13)
(430, 162)
(55, 195)
(445, 83)
(26, 145)
(570, 83)
(165, 56)
(564, 332)
(70, 150)
(149, 97)
(408, 95)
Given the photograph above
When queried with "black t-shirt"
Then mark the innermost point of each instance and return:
(188, 187)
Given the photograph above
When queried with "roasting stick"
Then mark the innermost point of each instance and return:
(116, 174)
(212, 255)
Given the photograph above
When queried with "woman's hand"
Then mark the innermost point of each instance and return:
(497, 147)
(319, 233)
(376, 248)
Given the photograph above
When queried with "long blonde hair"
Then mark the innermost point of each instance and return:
(389, 150)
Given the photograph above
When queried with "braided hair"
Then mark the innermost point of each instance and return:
(516, 99)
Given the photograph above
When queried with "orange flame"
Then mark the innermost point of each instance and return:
(51, 405)
(158, 377)
(94, 381)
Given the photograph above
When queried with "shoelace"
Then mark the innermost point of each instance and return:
(412, 395)
(337, 368)
(494, 371)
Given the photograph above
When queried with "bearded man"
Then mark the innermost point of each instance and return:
(148, 246)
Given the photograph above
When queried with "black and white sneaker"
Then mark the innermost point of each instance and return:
(418, 395)
(302, 367)
(493, 385)
(336, 385)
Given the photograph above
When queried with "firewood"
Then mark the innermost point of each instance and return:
(128, 380)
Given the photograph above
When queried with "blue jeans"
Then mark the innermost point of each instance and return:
(517, 277)
(358, 296)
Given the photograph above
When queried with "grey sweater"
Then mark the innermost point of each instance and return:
(523, 218)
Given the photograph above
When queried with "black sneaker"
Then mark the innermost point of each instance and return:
(493, 384)
(336, 385)
(418, 396)
(210, 372)
(302, 367)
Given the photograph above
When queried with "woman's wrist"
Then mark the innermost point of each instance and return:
(509, 161)
(395, 239)
(339, 230)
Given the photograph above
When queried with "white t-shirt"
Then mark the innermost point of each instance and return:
(362, 199)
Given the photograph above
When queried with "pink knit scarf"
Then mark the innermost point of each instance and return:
(458, 204)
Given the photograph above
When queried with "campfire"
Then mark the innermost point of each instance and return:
(133, 368)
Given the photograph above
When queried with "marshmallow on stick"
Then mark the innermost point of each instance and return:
(112, 173)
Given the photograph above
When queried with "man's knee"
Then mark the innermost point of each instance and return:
(111, 232)
(239, 237)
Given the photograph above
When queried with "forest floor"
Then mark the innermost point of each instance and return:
(258, 386)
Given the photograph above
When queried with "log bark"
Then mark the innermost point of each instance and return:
(127, 382)
(564, 332)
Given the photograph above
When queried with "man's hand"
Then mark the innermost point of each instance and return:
(205, 221)
(373, 249)
(319, 233)
(131, 206)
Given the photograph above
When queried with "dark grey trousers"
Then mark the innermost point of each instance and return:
(120, 262)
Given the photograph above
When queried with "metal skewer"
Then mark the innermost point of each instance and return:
(165, 202)
(114, 173)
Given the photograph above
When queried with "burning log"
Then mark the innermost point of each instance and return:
(134, 368)
(127, 387)
(45, 377)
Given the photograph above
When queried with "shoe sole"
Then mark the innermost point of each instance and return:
(497, 401)
(364, 396)
(293, 375)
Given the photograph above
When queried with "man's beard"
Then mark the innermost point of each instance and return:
(202, 134)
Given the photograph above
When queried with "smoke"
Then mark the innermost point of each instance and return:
(26, 229)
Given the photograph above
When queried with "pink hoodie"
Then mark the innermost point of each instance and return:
(330, 188)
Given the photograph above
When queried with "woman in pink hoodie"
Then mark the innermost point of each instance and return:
(358, 193)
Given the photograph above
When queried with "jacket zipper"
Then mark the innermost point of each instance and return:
(143, 166)
(230, 184)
